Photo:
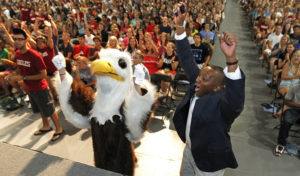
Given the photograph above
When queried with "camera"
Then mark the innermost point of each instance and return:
(182, 10)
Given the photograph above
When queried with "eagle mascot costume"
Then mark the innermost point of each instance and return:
(116, 113)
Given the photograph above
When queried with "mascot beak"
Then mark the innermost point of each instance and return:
(104, 68)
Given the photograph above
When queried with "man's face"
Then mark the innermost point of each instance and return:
(65, 37)
(81, 40)
(197, 39)
(97, 42)
(136, 59)
(165, 21)
(206, 26)
(205, 82)
(152, 22)
(40, 44)
(20, 41)
(278, 30)
(296, 31)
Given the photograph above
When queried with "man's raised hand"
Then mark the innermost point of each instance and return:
(228, 44)
(179, 19)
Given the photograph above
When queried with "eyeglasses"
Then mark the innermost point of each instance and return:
(20, 39)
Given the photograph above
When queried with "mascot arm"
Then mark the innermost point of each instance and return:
(76, 101)
(138, 110)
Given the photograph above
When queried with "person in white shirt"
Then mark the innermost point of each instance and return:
(140, 72)
(89, 37)
(272, 40)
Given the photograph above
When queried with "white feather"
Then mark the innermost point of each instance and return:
(137, 108)
(64, 95)
(110, 92)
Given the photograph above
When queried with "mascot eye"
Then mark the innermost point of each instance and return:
(122, 63)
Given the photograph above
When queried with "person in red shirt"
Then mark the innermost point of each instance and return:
(25, 11)
(32, 70)
(81, 49)
(150, 27)
(93, 23)
(45, 48)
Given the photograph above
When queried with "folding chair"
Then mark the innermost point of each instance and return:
(180, 83)
(170, 104)
(277, 97)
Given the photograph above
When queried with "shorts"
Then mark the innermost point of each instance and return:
(41, 101)
(268, 51)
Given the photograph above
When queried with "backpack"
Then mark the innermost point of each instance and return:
(11, 103)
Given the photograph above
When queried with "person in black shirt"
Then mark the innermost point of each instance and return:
(165, 27)
(202, 51)
(101, 31)
(93, 52)
(67, 50)
(295, 37)
(168, 64)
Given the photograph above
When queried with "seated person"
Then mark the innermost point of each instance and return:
(81, 49)
(271, 41)
(207, 34)
(82, 72)
(201, 51)
(12, 70)
(93, 52)
(290, 116)
(140, 72)
(3, 68)
(283, 59)
(113, 43)
(290, 73)
(290, 76)
(150, 56)
(277, 50)
(168, 64)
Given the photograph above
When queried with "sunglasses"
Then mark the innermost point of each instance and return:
(20, 39)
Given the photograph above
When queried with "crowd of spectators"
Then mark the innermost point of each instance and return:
(79, 29)
(276, 33)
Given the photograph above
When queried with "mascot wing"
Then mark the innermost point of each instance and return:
(76, 101)
(138, 110)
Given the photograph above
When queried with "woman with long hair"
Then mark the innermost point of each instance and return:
(113, 43)
(115, 32)
(290, 73)
(163, 43)
(124, 25)
(168, 64)
(290, 77)
(156, 35)
(279, 64)
(278, 49)
(132, 46)
(150, 56)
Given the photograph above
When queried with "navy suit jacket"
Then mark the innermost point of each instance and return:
(212, 116)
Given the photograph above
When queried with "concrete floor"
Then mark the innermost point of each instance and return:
(160, 151)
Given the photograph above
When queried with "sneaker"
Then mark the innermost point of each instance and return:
(279, 150)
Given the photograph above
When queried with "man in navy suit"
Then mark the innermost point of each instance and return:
(205, 115)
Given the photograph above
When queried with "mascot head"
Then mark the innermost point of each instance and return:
(113, 71)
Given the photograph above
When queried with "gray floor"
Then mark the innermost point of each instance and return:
(160, 151)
